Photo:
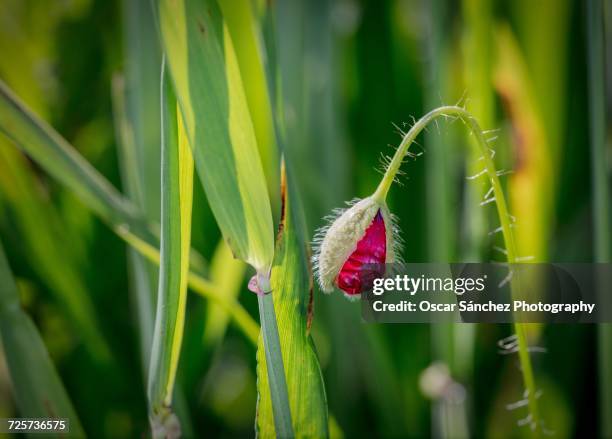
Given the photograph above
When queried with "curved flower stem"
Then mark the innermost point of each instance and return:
(504, 219)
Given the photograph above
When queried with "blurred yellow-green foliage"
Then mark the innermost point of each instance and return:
(351, 69)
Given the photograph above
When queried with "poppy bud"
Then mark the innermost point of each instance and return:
(362, 234)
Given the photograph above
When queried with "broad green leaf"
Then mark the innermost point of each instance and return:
(246, 37)
(291, 282)
(209, 89)
(37, 387)
(58, 158)
(177, 196)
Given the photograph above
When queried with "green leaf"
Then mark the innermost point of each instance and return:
(248, 44)
(62, 161)
(136, 107)
(142, 104)
(37, 387)
(35, 222)
(177, 197)
(203, 287)
(291, 282)
(142, 272)
(602, 251)
(209, 89)
(58, 158)
(42, 237)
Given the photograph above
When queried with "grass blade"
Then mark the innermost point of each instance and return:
(136, 107)
(63, 162)
(177, 196)
(201, 286)
(248, 44)
(276, 382)
(207, 81)
(292, 296)
(601, 195)
(58, 158)
(38, 389)
(142, 273)
(142, 103)
(42, 236)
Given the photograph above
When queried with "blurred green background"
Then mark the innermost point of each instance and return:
(354, 71)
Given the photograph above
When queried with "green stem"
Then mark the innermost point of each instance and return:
(274, 359)
(502, 212)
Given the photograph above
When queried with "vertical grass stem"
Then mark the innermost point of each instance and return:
(601, 193)
(274, 359)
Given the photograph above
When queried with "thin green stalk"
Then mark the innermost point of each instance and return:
(502, 212)
(601, 194)
(274, 360)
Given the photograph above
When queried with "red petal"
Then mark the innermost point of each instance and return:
(371, 249)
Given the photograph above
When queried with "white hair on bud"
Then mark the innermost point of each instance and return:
(334, 243)
(338, 239)
(395, 243)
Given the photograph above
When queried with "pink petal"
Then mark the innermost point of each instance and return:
(253, 285)
(371, 249)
